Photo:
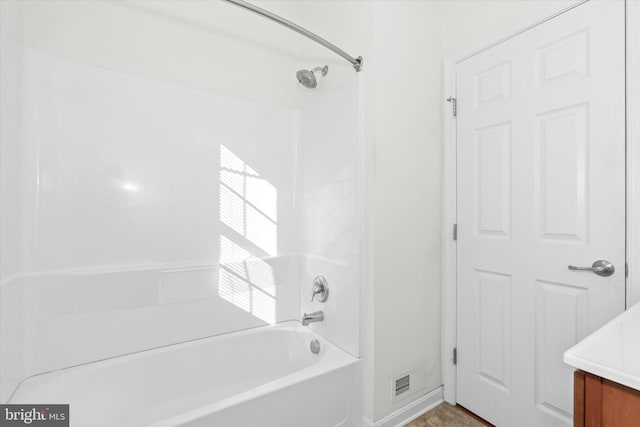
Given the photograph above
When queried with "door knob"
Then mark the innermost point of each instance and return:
(601, 267)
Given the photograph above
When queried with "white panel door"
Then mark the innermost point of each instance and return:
(541, 185)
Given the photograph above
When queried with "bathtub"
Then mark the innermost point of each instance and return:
(266, 376)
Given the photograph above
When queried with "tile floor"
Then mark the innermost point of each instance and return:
(446, 415)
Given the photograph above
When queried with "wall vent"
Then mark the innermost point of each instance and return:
(408, 383)
(402, 385)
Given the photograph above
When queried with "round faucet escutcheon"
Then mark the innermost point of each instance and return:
(320, 289)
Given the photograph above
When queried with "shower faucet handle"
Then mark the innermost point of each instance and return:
(320, 288)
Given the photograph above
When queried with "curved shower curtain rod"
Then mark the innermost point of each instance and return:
(356, 62)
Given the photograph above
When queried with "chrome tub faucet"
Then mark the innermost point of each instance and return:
(316, 316)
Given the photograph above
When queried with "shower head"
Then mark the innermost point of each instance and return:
(308, 79)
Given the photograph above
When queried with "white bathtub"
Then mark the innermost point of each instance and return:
(261, 377)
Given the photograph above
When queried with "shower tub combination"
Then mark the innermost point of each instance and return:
(271, 376)
(266, 376)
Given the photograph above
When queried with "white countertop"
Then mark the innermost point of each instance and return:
(613, 351)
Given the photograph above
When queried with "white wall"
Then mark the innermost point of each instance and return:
(11, 156)
(407, 194)
(468, 24)
(633, 153)
(209, 45)
(11, 179)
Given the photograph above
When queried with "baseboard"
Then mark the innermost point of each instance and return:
(410, 412)
(366, 422)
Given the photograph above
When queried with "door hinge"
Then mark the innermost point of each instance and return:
(455, 355)
(455, 231)
(454, 103)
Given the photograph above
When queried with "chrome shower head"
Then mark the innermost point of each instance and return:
(308, 79)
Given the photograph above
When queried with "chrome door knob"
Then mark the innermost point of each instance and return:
(601, 267)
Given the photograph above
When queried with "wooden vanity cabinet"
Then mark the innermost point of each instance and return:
(598, 402)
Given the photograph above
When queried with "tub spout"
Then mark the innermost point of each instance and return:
(316, 316)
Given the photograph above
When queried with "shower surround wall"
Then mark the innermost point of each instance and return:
(147, 194)
(11, 233)
(330, 212)
(156, 214)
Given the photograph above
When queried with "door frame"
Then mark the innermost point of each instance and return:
(449, 173)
